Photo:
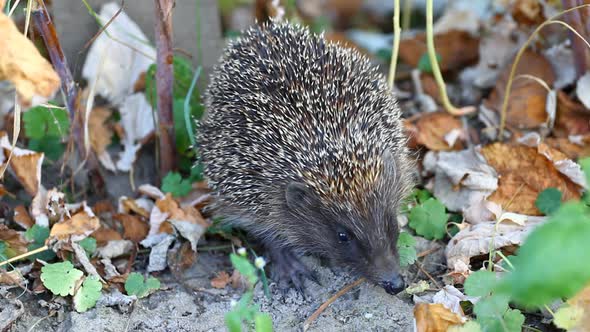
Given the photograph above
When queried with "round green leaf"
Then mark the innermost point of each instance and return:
(429, 219)
(60, 278)
(263, 322)
(88, 294)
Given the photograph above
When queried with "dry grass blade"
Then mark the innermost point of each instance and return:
(326, 304)
(552, 20)
(397, 31)
(25, 255)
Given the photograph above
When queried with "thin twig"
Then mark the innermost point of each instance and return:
(436, 69)
(326, 304)
(25, 255)
(397, 31)
(428, 275)
(427, 252)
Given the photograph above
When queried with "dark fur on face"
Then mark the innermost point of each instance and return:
(359, 234)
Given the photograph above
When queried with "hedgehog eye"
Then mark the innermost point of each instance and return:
(343, 237)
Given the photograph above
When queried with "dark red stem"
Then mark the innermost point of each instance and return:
(164, 82)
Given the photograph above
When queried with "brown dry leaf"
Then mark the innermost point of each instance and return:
(524, 173)
(26, 164)
(22, 64)
(572, 117)
(100, 133)
(432, 130)
(22, 217)
(572, 150)
(128, 205)
(172, 208)
(457, 49)
(81, 224)
(16, 243)
(526, 105)
(221, 280)
(105, 234)
(135, 229)
(430, 87)
(14, 277)
(183, 258)
(104, 206)
(582, 300)
(528, 12)
(434, 317)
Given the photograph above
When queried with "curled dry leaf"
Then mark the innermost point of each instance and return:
(138, 124)
(527, 102)
(434, 317)
(16, 243)
(78, 226)
(451, 298)
(140, 206)
(115, 248)
(25, 164)
(105, 234)
(478, 239)
(574, 147)
(528, 12)
(221, 280)
(431, 130)
(572, 117)
(22, 217)
(135, 228)
(456, 49)
(524, 173)
(100, 135)
(22, 64)
(118, 56)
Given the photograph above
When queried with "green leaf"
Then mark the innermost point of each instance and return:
(41, 122)
(174, 183)
(493, 306)
(244, 267)
(548, 264)
(424, 63)
(568, 317)
(585, 163)
(405, 247)
(233, 321)
(494, 315)
(263, 322)
(89, 245)
(37, 236)
(60, 278)
(183, 75)
(513, 320)
(138, 286)
(3, 247)
(51, 146)
(480, 283)
(429, 219)
(548, 201)
(88, 294)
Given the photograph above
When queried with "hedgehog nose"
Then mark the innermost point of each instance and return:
(394, 286)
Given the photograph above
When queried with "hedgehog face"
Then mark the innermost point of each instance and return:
(360, 238)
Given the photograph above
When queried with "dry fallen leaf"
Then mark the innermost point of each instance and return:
(15, 242)
(572, 117)
(582, 300)
(434, 317)
(25, 164)
(100, 135)
(527, 102)
(22, 217)
(135, 229)
(433, 129)
(221, 280)
(524, 173)
(22, 64)
(79, 226)
(457, 49)
(104, 234)
(528, 12)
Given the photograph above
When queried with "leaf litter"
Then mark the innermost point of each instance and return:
(488, 198)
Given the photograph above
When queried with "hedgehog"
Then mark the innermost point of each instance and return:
(303, 148)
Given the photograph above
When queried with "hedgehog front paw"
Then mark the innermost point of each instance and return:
(288, 271)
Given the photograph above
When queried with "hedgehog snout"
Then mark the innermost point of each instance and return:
(394, 285)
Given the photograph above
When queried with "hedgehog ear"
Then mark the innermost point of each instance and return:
(299, 196)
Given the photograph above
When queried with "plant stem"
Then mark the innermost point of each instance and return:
(397, 31)
(406, 18)
(435, 67)
(552, 20)
(164, 83)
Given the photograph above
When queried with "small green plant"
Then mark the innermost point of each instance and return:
(406, 249)
(46, 127)
(424, 63)
(548, 201)
(174, 183)
(140, 287)
(429, 219)
(245, 311)
(548, 266)
(37, 235)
